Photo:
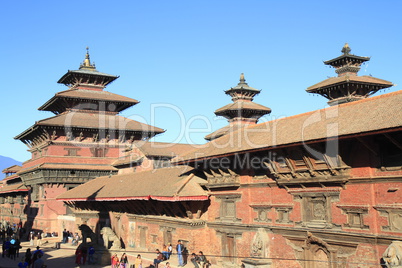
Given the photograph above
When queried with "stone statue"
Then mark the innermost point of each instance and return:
(87, 232)
(109, 236)
(393, 255)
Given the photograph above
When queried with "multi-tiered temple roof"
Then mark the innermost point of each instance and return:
(86, 107)
(243, 111)
(348, 86)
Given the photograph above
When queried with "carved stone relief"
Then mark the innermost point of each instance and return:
(394, 216)
(259, 246)
(393, 255)
(259, 251)
(262, 213)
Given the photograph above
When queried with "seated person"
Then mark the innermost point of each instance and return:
(159, 258)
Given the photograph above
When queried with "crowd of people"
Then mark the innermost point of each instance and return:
(198, 260)
(123, 261)
(11, 235)
(84, 254)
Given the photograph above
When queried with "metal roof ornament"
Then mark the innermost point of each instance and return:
(87, 62)
(346, 49)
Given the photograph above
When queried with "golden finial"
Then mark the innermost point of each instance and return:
(87, 62)
(346, 49)
(242, 80)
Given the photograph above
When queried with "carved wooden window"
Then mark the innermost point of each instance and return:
(355, 216)
(99, 152)
(228, 207)
(283, 214)
(316, 208)
(72, 151)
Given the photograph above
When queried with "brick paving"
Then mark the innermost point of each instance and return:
(65, 258)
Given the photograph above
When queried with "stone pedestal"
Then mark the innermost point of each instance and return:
(254, 263)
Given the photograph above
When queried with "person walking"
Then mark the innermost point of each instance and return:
(31, 238)
(180, 250)
(123, 261)
(39, 241)
(115, 261)
(138, 262)
(65, 236)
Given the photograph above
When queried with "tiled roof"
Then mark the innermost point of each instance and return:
(93, 121)
(89, 95)
(18, 187)
(243, 105)
(165, 149)
(97, 121)
(11, 177)
(372, 114)
(167, 184)
(12, 169)
(333, 81)
(69, 166)
(68, 77)
(223, 131)
(126, 160)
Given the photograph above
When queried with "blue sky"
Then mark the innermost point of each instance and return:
(178, 57)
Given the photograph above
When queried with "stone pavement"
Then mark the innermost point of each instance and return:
(65, 256)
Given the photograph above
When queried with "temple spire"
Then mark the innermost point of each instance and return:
(348, 86)
(87, 63)
(242, 111)
(346, 49)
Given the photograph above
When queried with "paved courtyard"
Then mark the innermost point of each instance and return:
(65, 256)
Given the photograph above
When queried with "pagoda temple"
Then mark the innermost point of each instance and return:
(348, 86)
(81, 142)
(242, 112)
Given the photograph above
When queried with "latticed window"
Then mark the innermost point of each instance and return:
(228, 207)
(72, 151)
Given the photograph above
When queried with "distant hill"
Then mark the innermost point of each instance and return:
(6, 162)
